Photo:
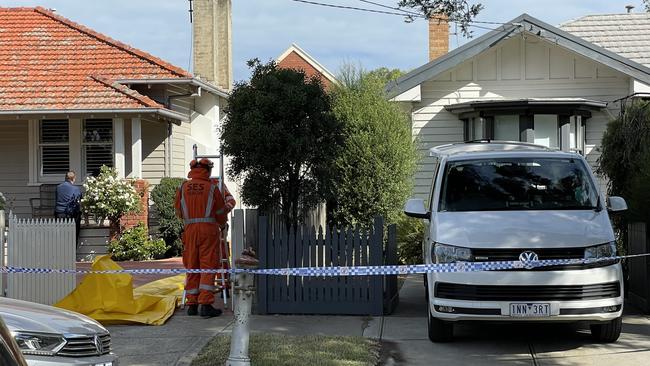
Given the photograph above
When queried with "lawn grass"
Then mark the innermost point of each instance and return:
(282, 350)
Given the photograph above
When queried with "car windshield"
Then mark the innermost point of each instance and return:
(517, 184)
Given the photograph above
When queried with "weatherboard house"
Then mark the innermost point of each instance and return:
(527, 81)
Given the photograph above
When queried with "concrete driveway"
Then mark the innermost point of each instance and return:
(405, 342)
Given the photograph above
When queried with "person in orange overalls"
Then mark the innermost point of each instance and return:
(204, 210)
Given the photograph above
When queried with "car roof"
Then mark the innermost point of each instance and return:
(489, 147)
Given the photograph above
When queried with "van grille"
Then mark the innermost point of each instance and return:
(86, 346)
(457, 291)
(512, 254)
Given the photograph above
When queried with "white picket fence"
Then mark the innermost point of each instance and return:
(40, 243)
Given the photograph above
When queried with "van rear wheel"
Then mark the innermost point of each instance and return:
(607, 332)
(439, 330)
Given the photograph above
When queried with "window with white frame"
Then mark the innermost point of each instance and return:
(97, 141)
(54, 147)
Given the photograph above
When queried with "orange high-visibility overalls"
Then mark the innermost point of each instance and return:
(203, 210)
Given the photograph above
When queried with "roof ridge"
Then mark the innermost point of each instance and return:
(126, 91)
(17, 8)
(112, 42)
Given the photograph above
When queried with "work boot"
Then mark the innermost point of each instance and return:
(208, 311)
(192, 309)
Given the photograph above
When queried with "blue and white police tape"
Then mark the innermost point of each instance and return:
(343, 271)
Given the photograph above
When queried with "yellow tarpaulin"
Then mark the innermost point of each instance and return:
(111, 299)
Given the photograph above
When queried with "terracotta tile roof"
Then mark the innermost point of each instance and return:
(49, 62)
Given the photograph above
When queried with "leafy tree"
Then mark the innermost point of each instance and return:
(374, 171)
(647, 5)
(625, 158)
(283, 139)
(461, 11)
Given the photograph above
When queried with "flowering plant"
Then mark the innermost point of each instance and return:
(108, 197)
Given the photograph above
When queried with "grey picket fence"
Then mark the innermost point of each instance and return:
(308, 247)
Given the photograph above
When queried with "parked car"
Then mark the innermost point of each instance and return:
(10, 355)
(510, 201)
(49, 336)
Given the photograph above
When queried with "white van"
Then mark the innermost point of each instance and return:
(509, 201)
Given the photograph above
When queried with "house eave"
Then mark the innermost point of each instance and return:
(210, 88)
(518, 103)
(174, 116)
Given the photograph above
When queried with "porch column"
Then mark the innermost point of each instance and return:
(136, 148)
(118, 129)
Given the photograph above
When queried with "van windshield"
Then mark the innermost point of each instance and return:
(517, 184)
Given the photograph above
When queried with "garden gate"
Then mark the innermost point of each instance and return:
(307, 247)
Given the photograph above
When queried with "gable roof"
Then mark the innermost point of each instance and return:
(308, 59)
(523, 23)
(626, 34)
(49, 63)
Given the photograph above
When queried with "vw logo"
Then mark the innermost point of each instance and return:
(99, 345)
(528, 258)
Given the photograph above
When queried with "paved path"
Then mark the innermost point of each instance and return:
(404, 336)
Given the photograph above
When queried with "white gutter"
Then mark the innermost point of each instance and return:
(161, 111)
(192, 81)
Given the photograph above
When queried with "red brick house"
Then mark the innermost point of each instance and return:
(296, 58)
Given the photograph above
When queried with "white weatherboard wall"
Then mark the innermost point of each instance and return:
(520, 67)
(35, 243)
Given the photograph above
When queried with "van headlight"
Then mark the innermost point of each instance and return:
(442, 253)
(601, 251)
(39, 344)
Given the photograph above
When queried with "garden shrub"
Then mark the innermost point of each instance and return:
(109, 197)
(3, 202)
(135, 244)
(170, 226)
(410, 234)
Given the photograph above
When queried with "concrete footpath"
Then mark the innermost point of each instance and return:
(403, 336)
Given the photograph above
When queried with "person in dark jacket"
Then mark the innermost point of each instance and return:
(68, 201)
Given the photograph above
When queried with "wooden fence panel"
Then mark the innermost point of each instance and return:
(41, 243)
(323, 247)
(639, 268)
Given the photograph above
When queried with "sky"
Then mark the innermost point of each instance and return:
(265, 28)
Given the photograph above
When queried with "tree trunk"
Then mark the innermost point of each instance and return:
(115, 229)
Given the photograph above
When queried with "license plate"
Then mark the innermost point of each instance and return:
(530, 309)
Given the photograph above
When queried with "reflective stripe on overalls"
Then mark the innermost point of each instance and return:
(208, 208)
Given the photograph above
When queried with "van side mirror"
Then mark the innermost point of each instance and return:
(616, 204)
(415, 208)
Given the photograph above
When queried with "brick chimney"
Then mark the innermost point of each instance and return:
(212, 48)
(438, 36)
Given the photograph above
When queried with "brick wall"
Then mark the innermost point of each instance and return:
(438, 37)
(294, 61)
(131, 220)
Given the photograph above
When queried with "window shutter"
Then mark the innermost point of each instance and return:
(54, 146)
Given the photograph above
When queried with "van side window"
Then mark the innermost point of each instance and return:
(434, 165)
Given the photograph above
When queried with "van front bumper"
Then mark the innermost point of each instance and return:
(593, 295)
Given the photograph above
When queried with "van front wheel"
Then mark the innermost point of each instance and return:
(607, 332)
(439, 330)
